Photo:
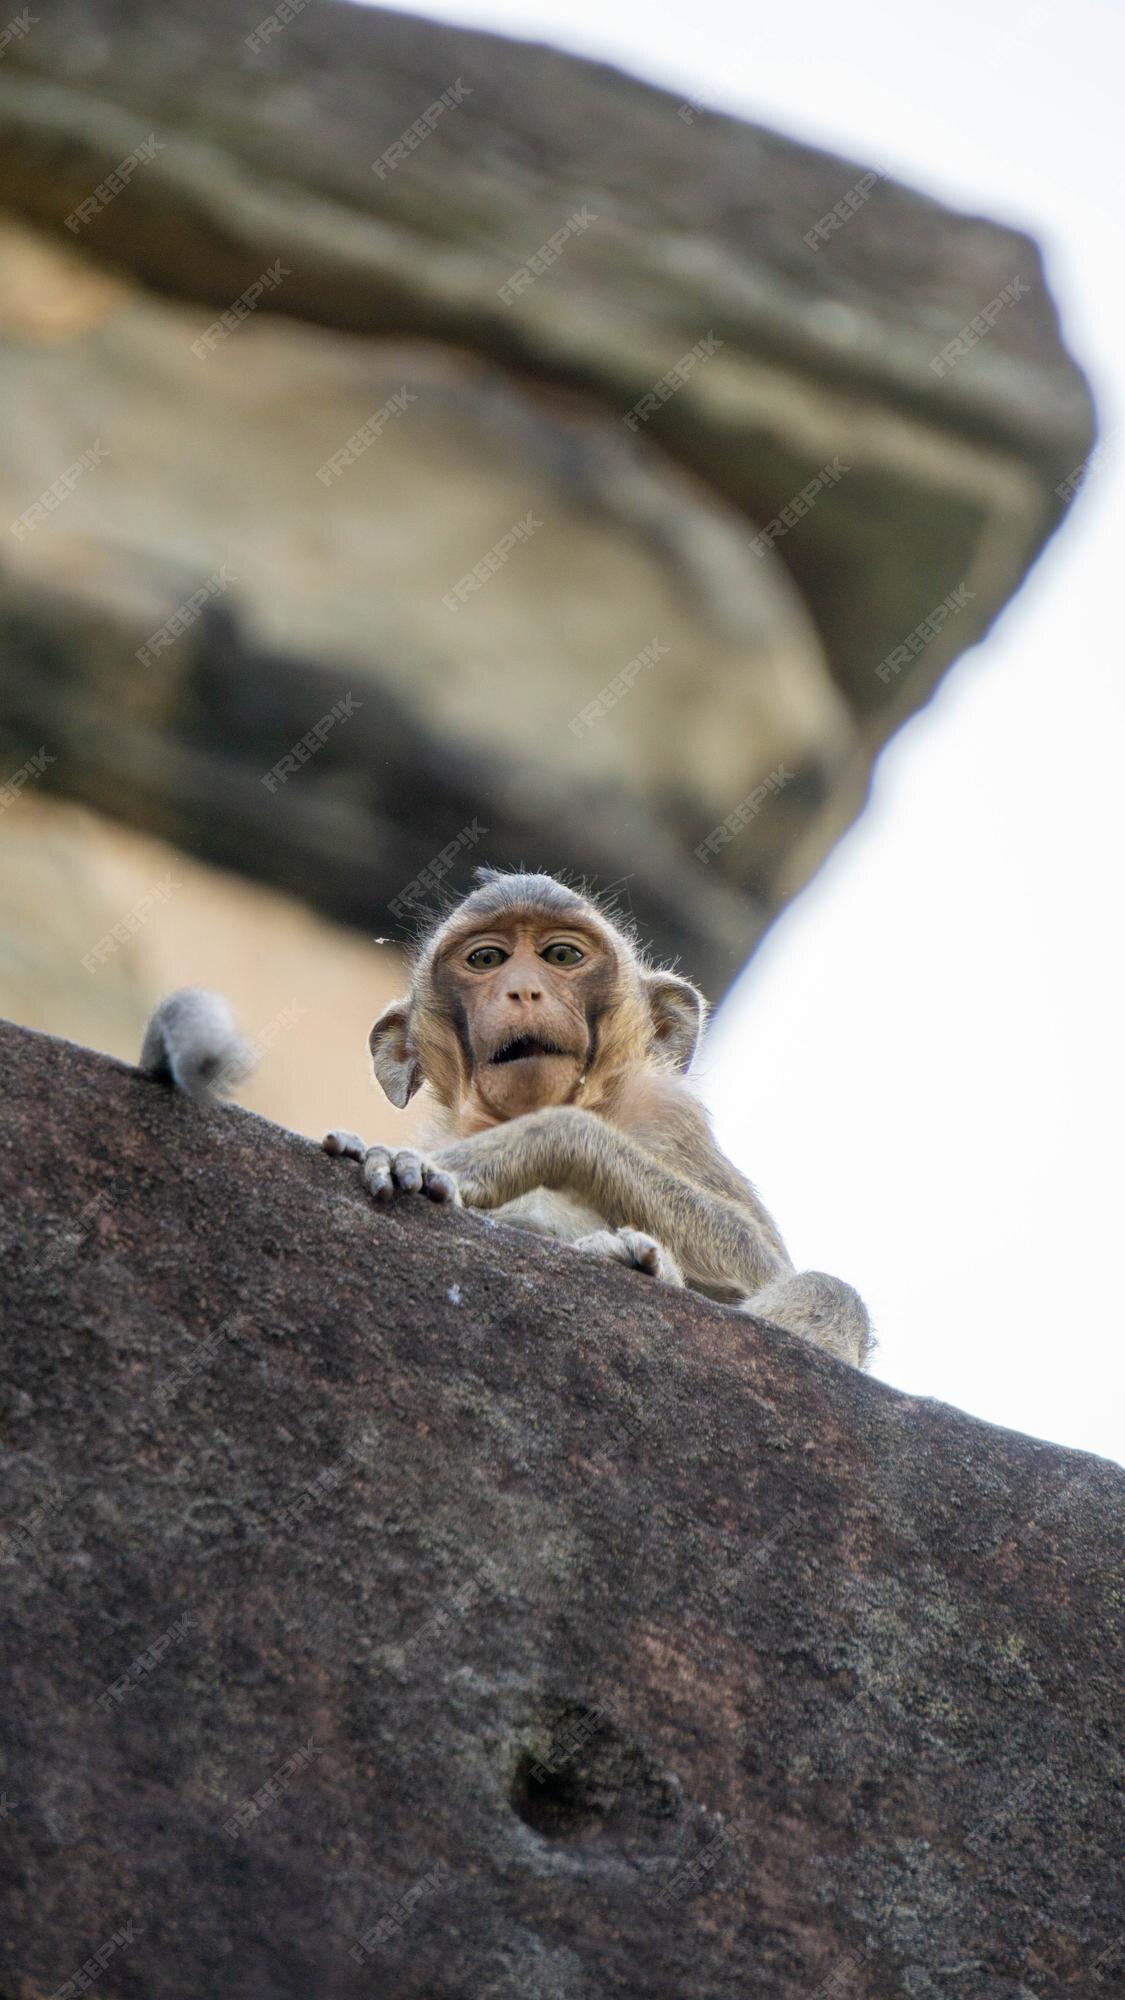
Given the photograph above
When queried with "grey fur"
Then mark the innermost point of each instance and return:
(192, 1041)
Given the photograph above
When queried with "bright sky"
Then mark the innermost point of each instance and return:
(921, 1071)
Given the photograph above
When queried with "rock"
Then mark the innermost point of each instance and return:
(714, 572)
(395, 1604)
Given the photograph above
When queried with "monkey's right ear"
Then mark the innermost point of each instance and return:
(399, 1072)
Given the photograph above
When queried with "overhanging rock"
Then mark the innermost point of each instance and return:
(656, 393)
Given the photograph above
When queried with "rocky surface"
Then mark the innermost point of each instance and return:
(395, 1605)
(262, 166)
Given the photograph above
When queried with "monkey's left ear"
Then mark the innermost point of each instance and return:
(399, 1072)
(678, 1012)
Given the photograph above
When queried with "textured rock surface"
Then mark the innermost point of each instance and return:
(259, 153)
(392, 1575)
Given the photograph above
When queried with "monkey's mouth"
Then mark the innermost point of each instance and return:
(524, 1047)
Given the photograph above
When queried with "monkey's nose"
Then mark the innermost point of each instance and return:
(525, 993)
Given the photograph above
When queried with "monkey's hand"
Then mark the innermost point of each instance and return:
(391, 1170)
(496, 1166)
(560, 1148)
(633, 1247)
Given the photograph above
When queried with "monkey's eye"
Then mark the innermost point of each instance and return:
(563, 954)
(486, 958)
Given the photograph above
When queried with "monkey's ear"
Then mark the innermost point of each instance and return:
(678, 1012)
(399, 1072)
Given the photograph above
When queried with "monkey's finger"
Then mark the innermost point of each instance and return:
(377, 1176)
(440, 1185)
(603, 1243)
(406, 1170)
(344, 1145)
(646, 1254)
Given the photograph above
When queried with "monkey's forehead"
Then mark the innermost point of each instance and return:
(522, 896)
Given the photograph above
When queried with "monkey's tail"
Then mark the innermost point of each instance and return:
(193, 1042)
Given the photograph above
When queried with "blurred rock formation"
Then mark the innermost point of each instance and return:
(549, 470)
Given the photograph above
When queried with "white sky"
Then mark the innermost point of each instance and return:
(921, 1070)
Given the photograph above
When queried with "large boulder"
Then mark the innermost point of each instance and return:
(669, 525)
(396, 1605)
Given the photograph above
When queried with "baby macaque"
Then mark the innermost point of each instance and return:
(555, 1059)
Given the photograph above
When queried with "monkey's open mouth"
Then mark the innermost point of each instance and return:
(524, 1046)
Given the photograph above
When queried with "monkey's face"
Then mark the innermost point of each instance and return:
(526, 997)
(529, 996)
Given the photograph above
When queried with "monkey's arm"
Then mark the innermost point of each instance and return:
(718, 1242)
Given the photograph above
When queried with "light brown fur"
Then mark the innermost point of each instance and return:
(590, 1131)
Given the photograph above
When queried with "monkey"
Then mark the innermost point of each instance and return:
(555, 1058)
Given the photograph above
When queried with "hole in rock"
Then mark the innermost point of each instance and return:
(579, 1775)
